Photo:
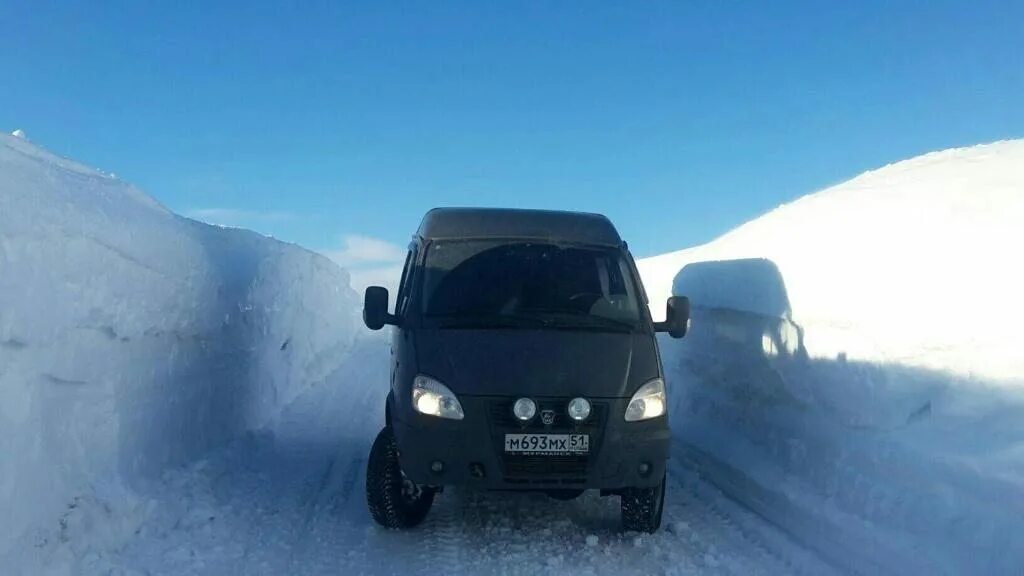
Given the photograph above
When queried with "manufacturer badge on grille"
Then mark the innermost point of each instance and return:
(547, 417)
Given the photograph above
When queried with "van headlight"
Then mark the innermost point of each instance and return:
(432, 398)
(648, 402)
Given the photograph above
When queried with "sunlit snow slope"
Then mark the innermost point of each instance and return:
(132, 339)
(855, 367)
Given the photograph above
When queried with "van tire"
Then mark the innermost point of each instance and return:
(395, 502)
(642, 508)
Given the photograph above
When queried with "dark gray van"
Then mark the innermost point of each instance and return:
(523, 358)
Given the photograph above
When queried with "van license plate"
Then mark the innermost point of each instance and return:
(547, 444)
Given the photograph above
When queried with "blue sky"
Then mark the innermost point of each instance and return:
(329, 120)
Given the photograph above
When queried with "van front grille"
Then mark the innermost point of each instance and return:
(502, 417)
(570, 469)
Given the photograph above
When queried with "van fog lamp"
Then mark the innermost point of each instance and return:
(524, 409)
(579, 409)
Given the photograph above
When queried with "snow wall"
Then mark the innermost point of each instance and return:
(132, 339)
(854, 369)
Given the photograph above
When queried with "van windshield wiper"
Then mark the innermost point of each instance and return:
(541, 320)
(568, 321)
(490, 321)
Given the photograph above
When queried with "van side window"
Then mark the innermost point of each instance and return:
(405, 284)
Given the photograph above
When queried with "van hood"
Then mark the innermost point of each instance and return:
(537, 362)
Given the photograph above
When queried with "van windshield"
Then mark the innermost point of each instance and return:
(478, 283)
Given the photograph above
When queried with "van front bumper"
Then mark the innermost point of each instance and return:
(470, 452)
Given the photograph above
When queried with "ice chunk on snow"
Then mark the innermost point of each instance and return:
(678, 527)
(19, 133)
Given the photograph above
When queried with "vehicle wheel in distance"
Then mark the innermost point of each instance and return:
(394, 501)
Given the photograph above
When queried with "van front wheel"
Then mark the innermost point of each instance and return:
(642, 508)
(395, 501)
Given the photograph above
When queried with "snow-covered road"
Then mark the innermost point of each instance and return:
(290, 500)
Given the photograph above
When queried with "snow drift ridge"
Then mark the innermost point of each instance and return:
(853, 369)
(132, 339)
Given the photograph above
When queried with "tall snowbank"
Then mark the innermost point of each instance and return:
(854, 366)
(132, 339)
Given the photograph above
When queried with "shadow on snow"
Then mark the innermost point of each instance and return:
(880, 467)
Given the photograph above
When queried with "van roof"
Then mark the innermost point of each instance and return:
(550, 225)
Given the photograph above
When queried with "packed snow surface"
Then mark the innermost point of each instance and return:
(291, 500)
(854, 367)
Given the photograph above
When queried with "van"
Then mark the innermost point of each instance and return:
(523, 358)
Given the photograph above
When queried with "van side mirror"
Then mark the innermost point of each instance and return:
(677, 317)
(375, 308)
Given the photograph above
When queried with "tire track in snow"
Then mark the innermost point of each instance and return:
(348, 485)
(309, 514)
(726, 521)
(444, 535)
(321, 539)
(750, 527)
